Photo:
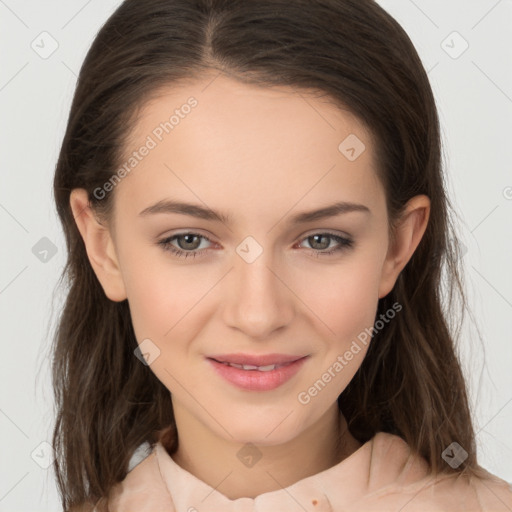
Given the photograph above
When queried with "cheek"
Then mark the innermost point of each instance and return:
(345, 298)
(167, 301)
(150, 307)
(158, 301)
(345, 303)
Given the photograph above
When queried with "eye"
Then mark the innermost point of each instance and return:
(188, 244)
(319, 242)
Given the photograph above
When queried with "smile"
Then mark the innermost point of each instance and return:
(257, 378)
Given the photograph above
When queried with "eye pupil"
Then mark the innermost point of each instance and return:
(315, 244)
(189, 244)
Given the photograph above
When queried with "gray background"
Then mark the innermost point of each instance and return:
(473, 88)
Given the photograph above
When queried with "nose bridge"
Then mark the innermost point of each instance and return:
(257, 302)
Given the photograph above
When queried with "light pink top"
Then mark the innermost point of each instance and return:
(381, 475)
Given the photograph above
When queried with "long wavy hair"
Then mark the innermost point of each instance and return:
(351, 51)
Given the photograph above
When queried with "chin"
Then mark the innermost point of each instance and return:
(262, 428)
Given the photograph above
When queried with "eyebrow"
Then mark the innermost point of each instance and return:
(193, 210)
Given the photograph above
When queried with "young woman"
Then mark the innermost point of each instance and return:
(253, 201)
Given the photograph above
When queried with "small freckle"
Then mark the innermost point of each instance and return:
(315, 502)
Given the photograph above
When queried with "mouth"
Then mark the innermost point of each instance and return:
(266, 368)
(262, 363)
(257, 377)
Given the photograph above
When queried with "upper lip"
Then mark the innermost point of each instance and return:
(256, 360)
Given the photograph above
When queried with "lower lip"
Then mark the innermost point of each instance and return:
(255, 380)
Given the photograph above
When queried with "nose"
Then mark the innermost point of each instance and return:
(257, 300)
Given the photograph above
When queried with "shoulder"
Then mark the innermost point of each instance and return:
(464, 493)
(398, 478)
(143, 489)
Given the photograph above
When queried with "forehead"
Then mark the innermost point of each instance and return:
(222, 103)
(219, 138)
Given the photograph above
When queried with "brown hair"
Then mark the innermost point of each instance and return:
(410, 382)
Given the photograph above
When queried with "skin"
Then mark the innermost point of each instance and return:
(261, 156)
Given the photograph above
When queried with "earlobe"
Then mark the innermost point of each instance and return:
(408, 234)
(99, 246)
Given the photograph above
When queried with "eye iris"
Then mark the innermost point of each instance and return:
(324, 245)
(188, 241)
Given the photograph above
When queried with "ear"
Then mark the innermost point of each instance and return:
(99, 246)
(408, 233)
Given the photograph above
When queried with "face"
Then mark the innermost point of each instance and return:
(258, 277)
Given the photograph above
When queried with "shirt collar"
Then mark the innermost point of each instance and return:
(326, 491)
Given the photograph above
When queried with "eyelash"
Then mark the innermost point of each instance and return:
(344, 243)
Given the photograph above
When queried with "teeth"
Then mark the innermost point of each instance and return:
(267, 368)
(263, 368)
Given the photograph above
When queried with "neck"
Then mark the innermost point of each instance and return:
(312, 451)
